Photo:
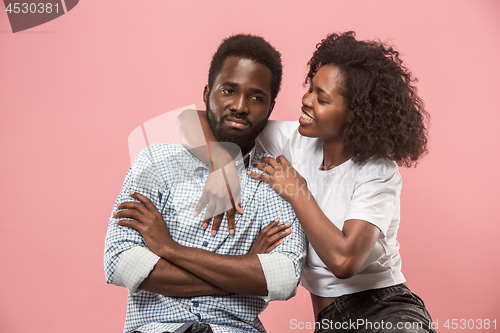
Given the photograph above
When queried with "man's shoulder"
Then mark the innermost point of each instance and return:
(163, 149)
(165, 154)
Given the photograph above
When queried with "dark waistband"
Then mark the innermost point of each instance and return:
(354, 299)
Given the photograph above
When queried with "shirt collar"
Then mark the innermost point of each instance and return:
(244, 161)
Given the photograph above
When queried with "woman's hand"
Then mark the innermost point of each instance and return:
(282, 177)
(270, 237)
(147, 220)
(221, 194)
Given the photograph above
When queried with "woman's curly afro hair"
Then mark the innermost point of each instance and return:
(388, 119)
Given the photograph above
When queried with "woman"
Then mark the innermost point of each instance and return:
(360, 118)
(338, 168)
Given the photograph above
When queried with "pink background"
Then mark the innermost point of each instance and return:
(72, 90)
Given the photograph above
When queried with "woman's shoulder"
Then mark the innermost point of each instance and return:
(283, 138)
(377, 168)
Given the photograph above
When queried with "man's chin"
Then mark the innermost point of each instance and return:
(238, 139)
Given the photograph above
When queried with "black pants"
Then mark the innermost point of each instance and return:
(391, 309)
(195, 327)
(199, 328)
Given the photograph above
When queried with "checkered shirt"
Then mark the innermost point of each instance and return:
(173, 179)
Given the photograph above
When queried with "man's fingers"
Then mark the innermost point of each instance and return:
(129, 223)
(275, 245)
(216, 224)
(145, 201)
(133, 205)
(275, 232)
(271, 225)
(129, 213)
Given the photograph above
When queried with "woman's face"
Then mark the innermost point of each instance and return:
(324, 109)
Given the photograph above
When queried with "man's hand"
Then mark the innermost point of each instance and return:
(270, 237)
(147, 220)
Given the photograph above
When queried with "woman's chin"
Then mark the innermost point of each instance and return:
(304, 132)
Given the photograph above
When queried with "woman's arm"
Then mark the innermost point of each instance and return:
(222, 189)
(343, 251)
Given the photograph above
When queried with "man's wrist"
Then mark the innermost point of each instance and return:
(168, 250)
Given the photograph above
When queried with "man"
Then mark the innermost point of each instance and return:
(186, 279)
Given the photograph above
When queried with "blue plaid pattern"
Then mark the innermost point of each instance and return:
(173, 179)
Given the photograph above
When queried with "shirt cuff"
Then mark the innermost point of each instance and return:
(133, 267)
(280, 276)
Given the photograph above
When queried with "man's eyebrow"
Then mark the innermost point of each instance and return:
(258, 91)
(234, 85)
(229, 83)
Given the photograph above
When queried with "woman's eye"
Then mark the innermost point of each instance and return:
(320, 101)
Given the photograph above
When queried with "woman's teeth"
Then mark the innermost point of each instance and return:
(306, 117)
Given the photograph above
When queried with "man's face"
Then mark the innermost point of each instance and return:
(240, 101)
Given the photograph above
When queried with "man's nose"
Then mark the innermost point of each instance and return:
(239, 104)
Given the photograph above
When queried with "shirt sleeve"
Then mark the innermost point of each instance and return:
(122, 244)
(280, 276)
(276, 136)
(134, 266)
(376, 194)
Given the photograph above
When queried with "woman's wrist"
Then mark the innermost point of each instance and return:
(301, 196)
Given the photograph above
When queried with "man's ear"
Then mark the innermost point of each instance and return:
(271, 108)
(206, 93)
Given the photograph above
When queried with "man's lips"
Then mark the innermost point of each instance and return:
(236, 122)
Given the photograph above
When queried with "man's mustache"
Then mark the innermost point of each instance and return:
(235, 116)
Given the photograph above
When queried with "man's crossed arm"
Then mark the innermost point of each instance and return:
(186, 271)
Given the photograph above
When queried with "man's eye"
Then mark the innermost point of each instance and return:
(257, 98)
(226, 91)
(320, 101)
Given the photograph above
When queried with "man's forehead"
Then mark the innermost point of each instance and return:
(236, 71)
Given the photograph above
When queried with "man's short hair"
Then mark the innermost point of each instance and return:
(250, 47)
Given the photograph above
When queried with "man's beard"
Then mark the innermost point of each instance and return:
(244, 142)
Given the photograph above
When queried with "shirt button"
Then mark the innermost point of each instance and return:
(205, 243)
(196, 304)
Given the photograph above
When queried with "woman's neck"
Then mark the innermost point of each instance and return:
(333, 155)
